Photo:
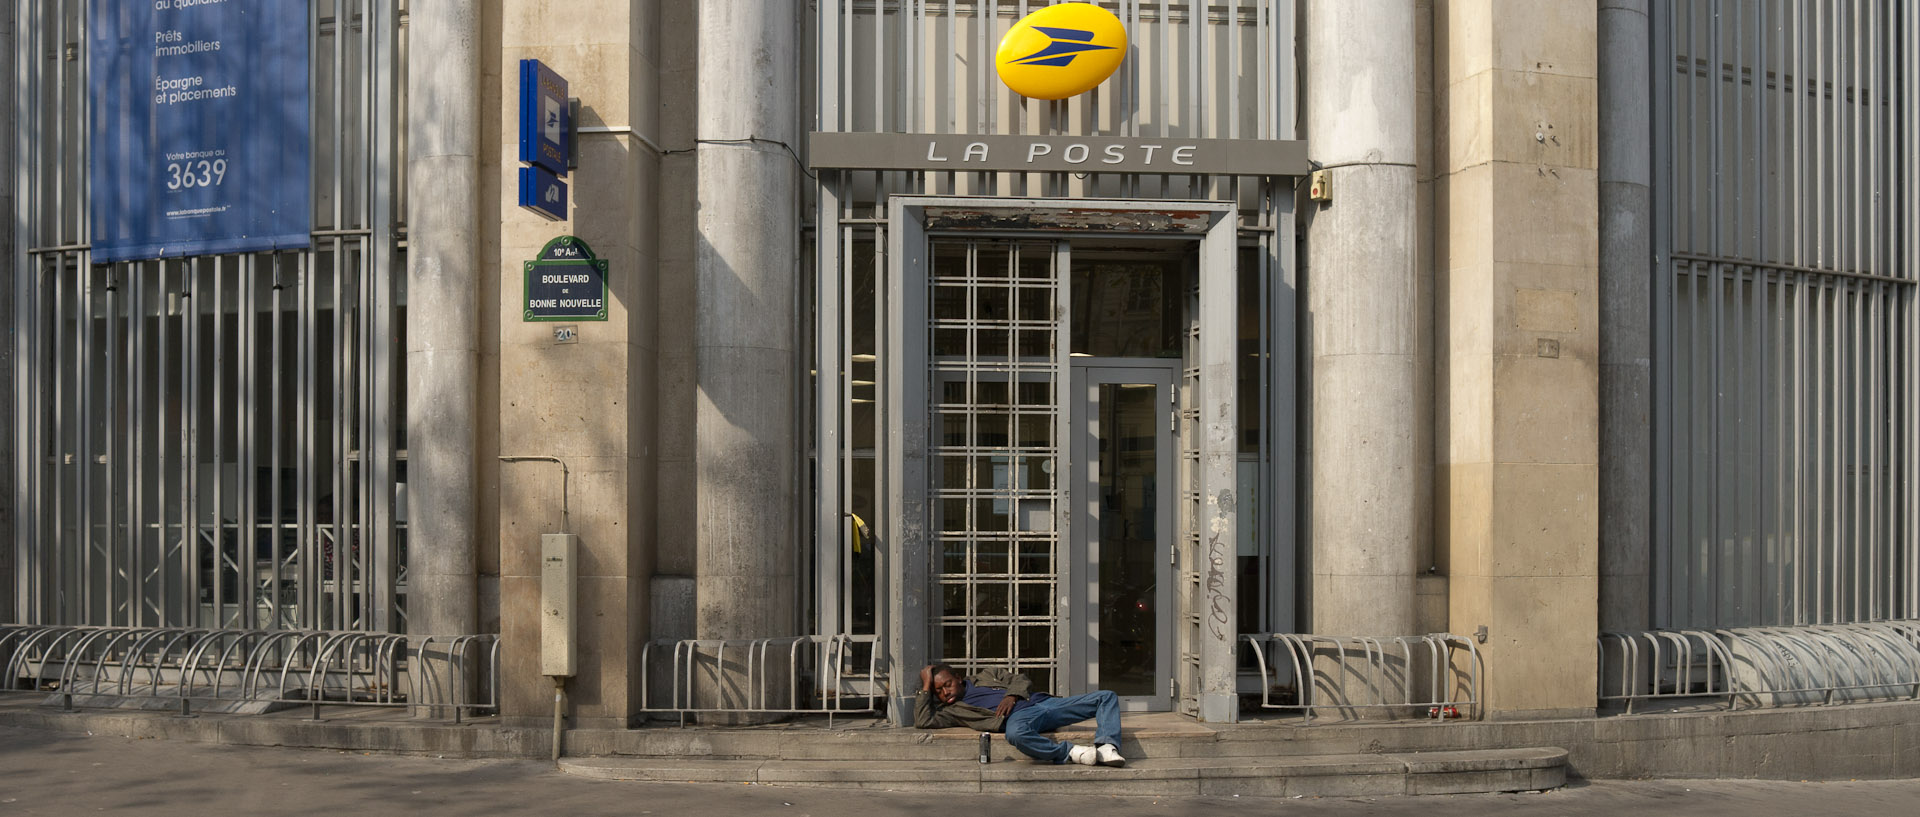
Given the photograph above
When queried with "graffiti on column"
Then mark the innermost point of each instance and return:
(1217, 600)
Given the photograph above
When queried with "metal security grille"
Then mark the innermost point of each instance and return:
(214, 441)
(1219, 70)
(998, 367)
(1785, 323)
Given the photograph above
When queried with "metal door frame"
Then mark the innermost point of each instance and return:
(1083, 617)
(1210, 645)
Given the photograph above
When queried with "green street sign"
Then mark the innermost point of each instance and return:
(566, 283)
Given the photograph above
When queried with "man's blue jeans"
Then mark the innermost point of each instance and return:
(1027, 728)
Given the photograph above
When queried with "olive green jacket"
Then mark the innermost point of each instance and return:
(930, 713)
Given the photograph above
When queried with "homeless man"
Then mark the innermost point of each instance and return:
(1003, 701)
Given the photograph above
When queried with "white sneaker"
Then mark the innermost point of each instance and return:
(1109, 756)
(1083, 755)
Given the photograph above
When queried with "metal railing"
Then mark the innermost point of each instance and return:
(809, 674)
(1436, 675)
(1763, 667)
(216, 440)
(228, 670)
(1784, 314)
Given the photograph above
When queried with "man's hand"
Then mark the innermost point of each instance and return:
(1006, 706)
(926, 678)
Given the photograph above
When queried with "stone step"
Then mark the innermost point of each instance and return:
(1460, 772)
(1145, 737)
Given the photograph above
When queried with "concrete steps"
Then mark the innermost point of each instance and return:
(1157, 735)
(1342, 775)
(1169, 755)
(1840, 742)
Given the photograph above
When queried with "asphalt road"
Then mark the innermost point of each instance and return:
(44, 773)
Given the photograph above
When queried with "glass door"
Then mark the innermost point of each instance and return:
(1123, 530)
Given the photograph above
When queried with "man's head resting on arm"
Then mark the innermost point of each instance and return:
(945, 683)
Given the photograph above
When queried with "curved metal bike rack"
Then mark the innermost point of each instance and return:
(1438, 672)
(1762, 667)
(823, 660)
(228, 667)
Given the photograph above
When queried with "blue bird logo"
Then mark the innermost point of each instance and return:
(1064, 45)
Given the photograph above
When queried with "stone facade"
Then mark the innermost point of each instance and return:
(591, 404)
(1517, 230)
(1474, 353)
(1466, 171)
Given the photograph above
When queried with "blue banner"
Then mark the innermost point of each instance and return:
(200, 139)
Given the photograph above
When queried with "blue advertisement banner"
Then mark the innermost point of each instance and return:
(200, 138)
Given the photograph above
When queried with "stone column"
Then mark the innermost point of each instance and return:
(443, 93)
(1362, 310)
(1519, 345)
(746, 270)
(590, 402)
(1626, 256)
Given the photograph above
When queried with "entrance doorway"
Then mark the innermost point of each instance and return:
(1051, 499)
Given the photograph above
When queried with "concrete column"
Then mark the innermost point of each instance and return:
(1362, 310)
(746, 270)
(1626, 255)
(744, 258)
(1518, 240)
(443, 92)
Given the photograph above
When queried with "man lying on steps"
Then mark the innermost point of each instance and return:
(1002, 701)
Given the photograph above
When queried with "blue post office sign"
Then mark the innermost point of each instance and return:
(566, 283)
(543, 193)
(545, 120)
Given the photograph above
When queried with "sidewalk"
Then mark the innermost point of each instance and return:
(50, 773)
(1169, 755)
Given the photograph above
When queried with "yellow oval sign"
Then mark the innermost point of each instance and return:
(1061, 50)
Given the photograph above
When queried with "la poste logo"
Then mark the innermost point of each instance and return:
(1061, 50)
